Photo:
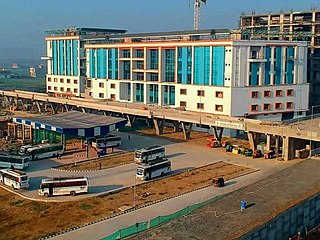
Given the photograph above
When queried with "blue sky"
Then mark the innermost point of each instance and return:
(23, 22)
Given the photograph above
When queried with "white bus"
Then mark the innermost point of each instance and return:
(106, 142)
(63, 186)
(14, 161)
(149, 171)
(24, 148)
(145, 155)
(45, 150)
(14, 178)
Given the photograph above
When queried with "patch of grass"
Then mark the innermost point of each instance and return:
(86, 206)
(18, 202)
(39, 207)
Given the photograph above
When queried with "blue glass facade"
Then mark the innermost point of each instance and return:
(267, 66)
(139, 92)
(169, 73)
(184, 65)
(254, 74)
(153, 93)
(218, 65)
(201, 74)
(113, 63)
(169, 95)
(278, 65)
(290, 65)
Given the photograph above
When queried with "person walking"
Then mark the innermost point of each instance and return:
(129, 137)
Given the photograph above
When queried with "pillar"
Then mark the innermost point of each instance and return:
(268, 142)
(287, 148)
(218, 133)
(186, 128)
(158, 124)
(176, 127)
(38, 106)
(277, 143)
(131, 120)
(23, 132)
(253, 140)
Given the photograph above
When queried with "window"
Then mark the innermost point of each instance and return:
(140, 76)
(75, 90)
(49, 87)
(75, 81)
(101, 95)
(55, 88)
(290, 92)
(61, 89)
(219, 94)
(61, 80)
(183, 91)
(140, 53)
(49, 79)
(278, 106)
(126, 53)
(200, 105)
(219, 108)
(254, 108)
(112, 85)
(201, 93)
(183, 104)
(113, 96)
(55, 79)
(266, 107)
(267, 93)
(278, 93)
(68, 81)
(289, 105)
(101, 85)
(68, 89)
(255, 94)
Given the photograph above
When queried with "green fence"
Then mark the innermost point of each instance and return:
(139, 227)
(126, 232)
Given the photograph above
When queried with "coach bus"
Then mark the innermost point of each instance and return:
(63, 186)
(45, 151)
(14, 178)
(145, 155)
(14, 161)
(106, 142)
(149, 171)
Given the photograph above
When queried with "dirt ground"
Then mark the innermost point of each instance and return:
(196, 138)
(24, 219)
(106, 162)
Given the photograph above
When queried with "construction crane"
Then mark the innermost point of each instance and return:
(197, 4)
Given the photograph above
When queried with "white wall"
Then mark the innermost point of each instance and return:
(65, 85)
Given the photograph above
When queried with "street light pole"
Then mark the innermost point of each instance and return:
(134, 187)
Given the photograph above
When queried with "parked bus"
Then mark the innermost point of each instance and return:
(14, 161)
(149, 171)
(63, 186)
(107, 141)
(145, 155)
(14, 178)
(24, 148)
(45, 150)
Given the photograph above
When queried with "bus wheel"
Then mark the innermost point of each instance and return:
(46, 195)
(72, 193)
(12, 186)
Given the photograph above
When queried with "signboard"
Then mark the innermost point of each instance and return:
(238, 126)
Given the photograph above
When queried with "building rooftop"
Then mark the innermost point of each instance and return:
(74, 31)
(278, 13)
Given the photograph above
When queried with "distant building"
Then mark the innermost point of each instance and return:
(5, 74)
(32, 72)
(14, 65)
(290, 26)
(66, 64)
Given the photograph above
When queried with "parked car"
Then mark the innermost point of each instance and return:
(269, 154)
(257, 154)
(229, 148)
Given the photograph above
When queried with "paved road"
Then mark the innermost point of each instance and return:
(105, 228)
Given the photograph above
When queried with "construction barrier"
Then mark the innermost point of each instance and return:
(143, 226)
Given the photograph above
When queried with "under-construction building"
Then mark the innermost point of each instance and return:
(291, 26)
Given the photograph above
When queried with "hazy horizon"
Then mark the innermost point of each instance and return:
(24, 22)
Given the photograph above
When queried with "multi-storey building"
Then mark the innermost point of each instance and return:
(300, 26)
(65, 57)
(259, 78)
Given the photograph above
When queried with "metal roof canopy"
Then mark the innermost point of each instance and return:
(75, 123)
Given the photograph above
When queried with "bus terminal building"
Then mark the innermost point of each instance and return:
(60, 127)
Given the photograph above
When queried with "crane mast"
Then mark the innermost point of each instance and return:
(197, 4)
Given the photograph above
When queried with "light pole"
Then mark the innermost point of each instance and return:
(312, 108)
(134, 187)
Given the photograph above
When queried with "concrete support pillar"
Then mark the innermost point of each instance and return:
(186, 128)
(268, 146)
(176, 126)
(218, 133)
(253, 140)
(131, 119)
(158, 124)
(38, 106)
(277, 145)
(288, 148)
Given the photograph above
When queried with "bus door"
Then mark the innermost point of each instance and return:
(50, 189)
